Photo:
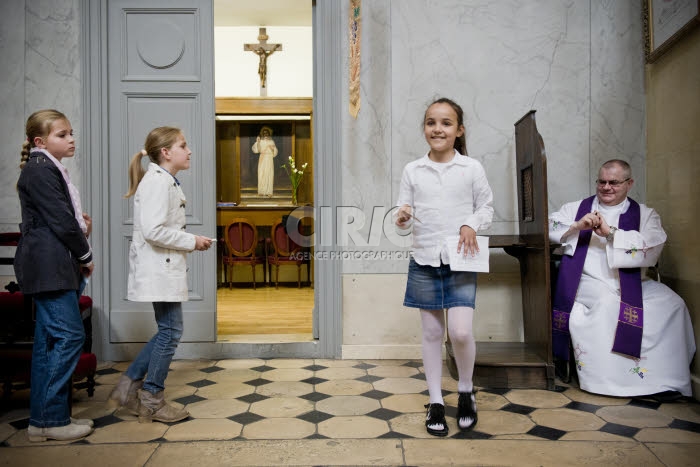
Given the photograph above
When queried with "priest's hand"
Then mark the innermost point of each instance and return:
(603, 228)
(587, 222)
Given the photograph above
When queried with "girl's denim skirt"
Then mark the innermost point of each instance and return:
(436, 288)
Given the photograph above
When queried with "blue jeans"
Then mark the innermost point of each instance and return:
(58, 343)
(154, 359)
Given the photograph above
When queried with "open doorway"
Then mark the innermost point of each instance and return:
(264, 101)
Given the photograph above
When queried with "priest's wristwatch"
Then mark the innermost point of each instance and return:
(611, 235)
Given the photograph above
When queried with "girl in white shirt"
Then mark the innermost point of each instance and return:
(442, 194)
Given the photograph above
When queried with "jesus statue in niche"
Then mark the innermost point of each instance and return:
(265, 146)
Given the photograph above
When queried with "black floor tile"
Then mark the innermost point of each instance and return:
(499, 391)
(315, 396)
(546, 432)
(376, 394)
(107, 371)
(201, 383)
(364, 366)
(369, 378)
(317, 436)
(212, 369)
(622, 430)
(420, 376)
(394, 435)
(315, 367)
(591, 408)
(413, 364)
(191, 399)
(315, 416)
(257, 382)
(517, 408)
(107, 420)
(20, 424)
(384, 414)
(245, 418)
(252, 398)
(685, 425)
(473, 434)
(314, 380)
(263, 368)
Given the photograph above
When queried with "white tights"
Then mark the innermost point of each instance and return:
(459, 325)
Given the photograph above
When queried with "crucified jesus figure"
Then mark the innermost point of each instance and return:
(262, 67)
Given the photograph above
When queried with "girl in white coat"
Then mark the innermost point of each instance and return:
(158, 270)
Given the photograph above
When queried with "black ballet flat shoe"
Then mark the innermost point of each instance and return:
(436, 416)
(466, 410)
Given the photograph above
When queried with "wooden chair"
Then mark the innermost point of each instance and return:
(285, 252)
(241, 236)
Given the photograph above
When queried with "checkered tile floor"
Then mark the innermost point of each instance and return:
(306, 401)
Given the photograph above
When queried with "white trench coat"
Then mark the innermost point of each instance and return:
(159, 247)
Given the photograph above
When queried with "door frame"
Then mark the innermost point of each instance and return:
(327, 44)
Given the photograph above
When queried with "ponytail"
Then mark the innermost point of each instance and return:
(136, 173)
(24, 154)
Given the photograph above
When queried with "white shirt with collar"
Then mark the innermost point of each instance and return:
(443, 198)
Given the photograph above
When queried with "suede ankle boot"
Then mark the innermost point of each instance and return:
(153, 407)
(125, 394)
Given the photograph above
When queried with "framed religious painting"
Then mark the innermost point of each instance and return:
(255, 140)
(666, 22)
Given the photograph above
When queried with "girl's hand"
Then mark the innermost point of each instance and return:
(202, 243)
(403, 216)
(88, 223)
(87, 269)
(467, 239)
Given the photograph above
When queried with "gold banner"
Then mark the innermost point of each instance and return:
(355, 39)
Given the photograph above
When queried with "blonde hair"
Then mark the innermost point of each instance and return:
(38, 125)
(157, 139)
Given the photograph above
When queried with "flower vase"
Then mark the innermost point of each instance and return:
(294, 197)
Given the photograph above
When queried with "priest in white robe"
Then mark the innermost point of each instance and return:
(599, 313)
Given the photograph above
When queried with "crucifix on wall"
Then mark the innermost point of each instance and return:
(263, 50)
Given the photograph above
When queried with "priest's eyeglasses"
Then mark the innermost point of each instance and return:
(612, 183)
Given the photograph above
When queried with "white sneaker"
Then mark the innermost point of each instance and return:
(61, 433)
(82, 421)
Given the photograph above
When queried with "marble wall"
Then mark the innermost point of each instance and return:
(579, 64)
(40, 53)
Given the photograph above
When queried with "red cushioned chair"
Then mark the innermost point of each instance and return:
(241, 237)
(87, 365)
(285, 252)
(17, 335)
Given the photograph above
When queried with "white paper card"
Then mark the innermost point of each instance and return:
(476, 263)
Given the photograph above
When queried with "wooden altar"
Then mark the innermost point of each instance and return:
(526, 364)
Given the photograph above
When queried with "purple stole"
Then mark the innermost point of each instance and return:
(628, 336)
